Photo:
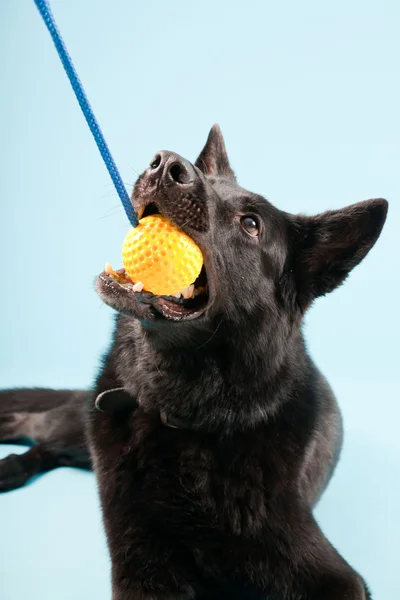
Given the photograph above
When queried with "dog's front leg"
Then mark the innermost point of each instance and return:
(134, 580)
(303, 565)
(145, 563)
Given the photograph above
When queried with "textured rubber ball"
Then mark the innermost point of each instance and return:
(161, 256)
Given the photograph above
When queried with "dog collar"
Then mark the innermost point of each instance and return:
(119, 399)
(115, 400)
(174, 422)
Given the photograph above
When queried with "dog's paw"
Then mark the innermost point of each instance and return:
(12, 473)
(9, 426)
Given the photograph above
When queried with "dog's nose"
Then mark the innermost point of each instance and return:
(176, 189)
(172, 169)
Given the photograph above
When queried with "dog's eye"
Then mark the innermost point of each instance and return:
(250, 224)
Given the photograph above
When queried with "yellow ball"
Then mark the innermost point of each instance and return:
(161, 256)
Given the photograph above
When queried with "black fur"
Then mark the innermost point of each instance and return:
(221, 508)
(54, 420)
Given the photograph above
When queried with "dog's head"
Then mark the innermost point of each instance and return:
(261, 265)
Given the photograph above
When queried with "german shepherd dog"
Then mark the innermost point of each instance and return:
(211, 432)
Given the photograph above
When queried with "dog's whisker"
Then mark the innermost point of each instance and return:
(211, 336)
(110, 214)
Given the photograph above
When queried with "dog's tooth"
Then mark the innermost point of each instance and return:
(138, 287)
(177, 295)
(108, 269)
(188, 292)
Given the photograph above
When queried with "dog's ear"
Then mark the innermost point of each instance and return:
(213, 159)
(326, 247)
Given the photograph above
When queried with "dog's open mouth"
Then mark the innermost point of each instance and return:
(188, 304)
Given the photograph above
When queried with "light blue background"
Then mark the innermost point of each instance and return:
(308, 96)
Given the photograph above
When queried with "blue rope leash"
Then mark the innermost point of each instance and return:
(44, 9)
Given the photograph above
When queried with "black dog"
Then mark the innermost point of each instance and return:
(218, 434)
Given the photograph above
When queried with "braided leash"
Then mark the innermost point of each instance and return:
(44, 9)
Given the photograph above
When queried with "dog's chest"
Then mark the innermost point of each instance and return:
(183, 481)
